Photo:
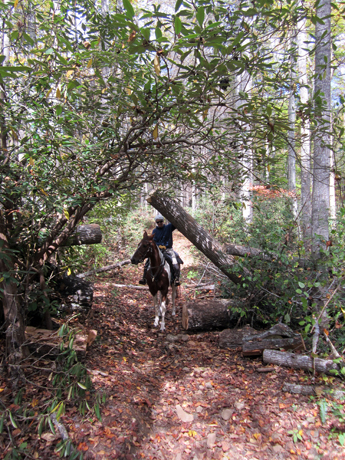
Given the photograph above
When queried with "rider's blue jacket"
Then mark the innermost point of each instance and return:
(163, 236)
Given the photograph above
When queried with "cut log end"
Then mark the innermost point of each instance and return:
(185, 317)
(206, 315)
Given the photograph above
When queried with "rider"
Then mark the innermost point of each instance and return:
(164, 240)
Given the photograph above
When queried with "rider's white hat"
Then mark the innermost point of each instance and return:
(159, 217)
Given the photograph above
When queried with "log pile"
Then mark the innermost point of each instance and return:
(253, 342)
(278, 337)
(233, 338)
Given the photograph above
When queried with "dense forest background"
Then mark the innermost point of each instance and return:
(233, 109)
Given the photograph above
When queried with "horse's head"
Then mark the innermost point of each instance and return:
(145, 248)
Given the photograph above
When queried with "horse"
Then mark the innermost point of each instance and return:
(158, 276)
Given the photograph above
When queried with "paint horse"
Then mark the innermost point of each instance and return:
(158, 276)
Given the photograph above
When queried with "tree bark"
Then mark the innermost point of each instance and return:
(292, 127)
(85, 234)
(306, 390)
(256, 347)
(299, 361)
(247, 251)
(14, 321)
(189, 227)
(321, 170)
(305, 133)
(206, 316)
(233, 338)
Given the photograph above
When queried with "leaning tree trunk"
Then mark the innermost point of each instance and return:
(189, 227)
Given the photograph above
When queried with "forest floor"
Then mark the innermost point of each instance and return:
(177, 396)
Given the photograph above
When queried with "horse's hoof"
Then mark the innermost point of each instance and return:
(173, 313)
(155, 323)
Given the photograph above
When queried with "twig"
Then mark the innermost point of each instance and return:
(334, 351)
(325, 306)
(208, 263)
(62, 430)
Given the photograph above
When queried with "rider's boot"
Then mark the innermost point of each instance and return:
(143, 279)
(176, 274)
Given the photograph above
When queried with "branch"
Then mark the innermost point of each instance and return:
(104, 269)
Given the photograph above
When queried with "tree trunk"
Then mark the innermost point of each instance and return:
(245, 86)
(299, 361)
(247, 251)
(189, 227)
(206, 316)
(292, 127)
(305, 133)
(14, 321)
(85, 234)
(321, 170)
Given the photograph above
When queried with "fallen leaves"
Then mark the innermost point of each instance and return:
(184, 416)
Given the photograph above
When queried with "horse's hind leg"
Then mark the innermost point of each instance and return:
(173, 297)
(156, 301)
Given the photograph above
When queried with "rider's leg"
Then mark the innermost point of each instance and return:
(143, 279)
(176, 269)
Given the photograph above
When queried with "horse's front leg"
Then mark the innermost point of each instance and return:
(173, 297)
(163, 310)
(156, 301)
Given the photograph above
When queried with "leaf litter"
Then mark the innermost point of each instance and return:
(177, 396)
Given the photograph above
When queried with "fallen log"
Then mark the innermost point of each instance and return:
(206, 315)
(190, 228)
(233, 338)
(324, 366)
(279, 336)
(46, 342)
(107, 268)
(254, 342)
(256, 347)
(85, 234)
(306, 390)
(247, 251)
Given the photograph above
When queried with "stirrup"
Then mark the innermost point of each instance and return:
(142, 281)
(177, 282)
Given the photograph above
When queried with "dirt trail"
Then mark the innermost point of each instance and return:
(180, 397)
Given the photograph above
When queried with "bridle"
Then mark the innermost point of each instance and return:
(160, 266)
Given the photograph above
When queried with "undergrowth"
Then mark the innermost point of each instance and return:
(50, 385)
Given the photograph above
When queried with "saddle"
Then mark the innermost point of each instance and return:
(167, 256)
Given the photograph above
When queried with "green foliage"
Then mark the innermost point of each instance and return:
(279, 288)
(94, 113)
(69, 384)
(297, 434)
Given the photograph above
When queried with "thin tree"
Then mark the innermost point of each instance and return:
(322, 97)
(305, 130)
